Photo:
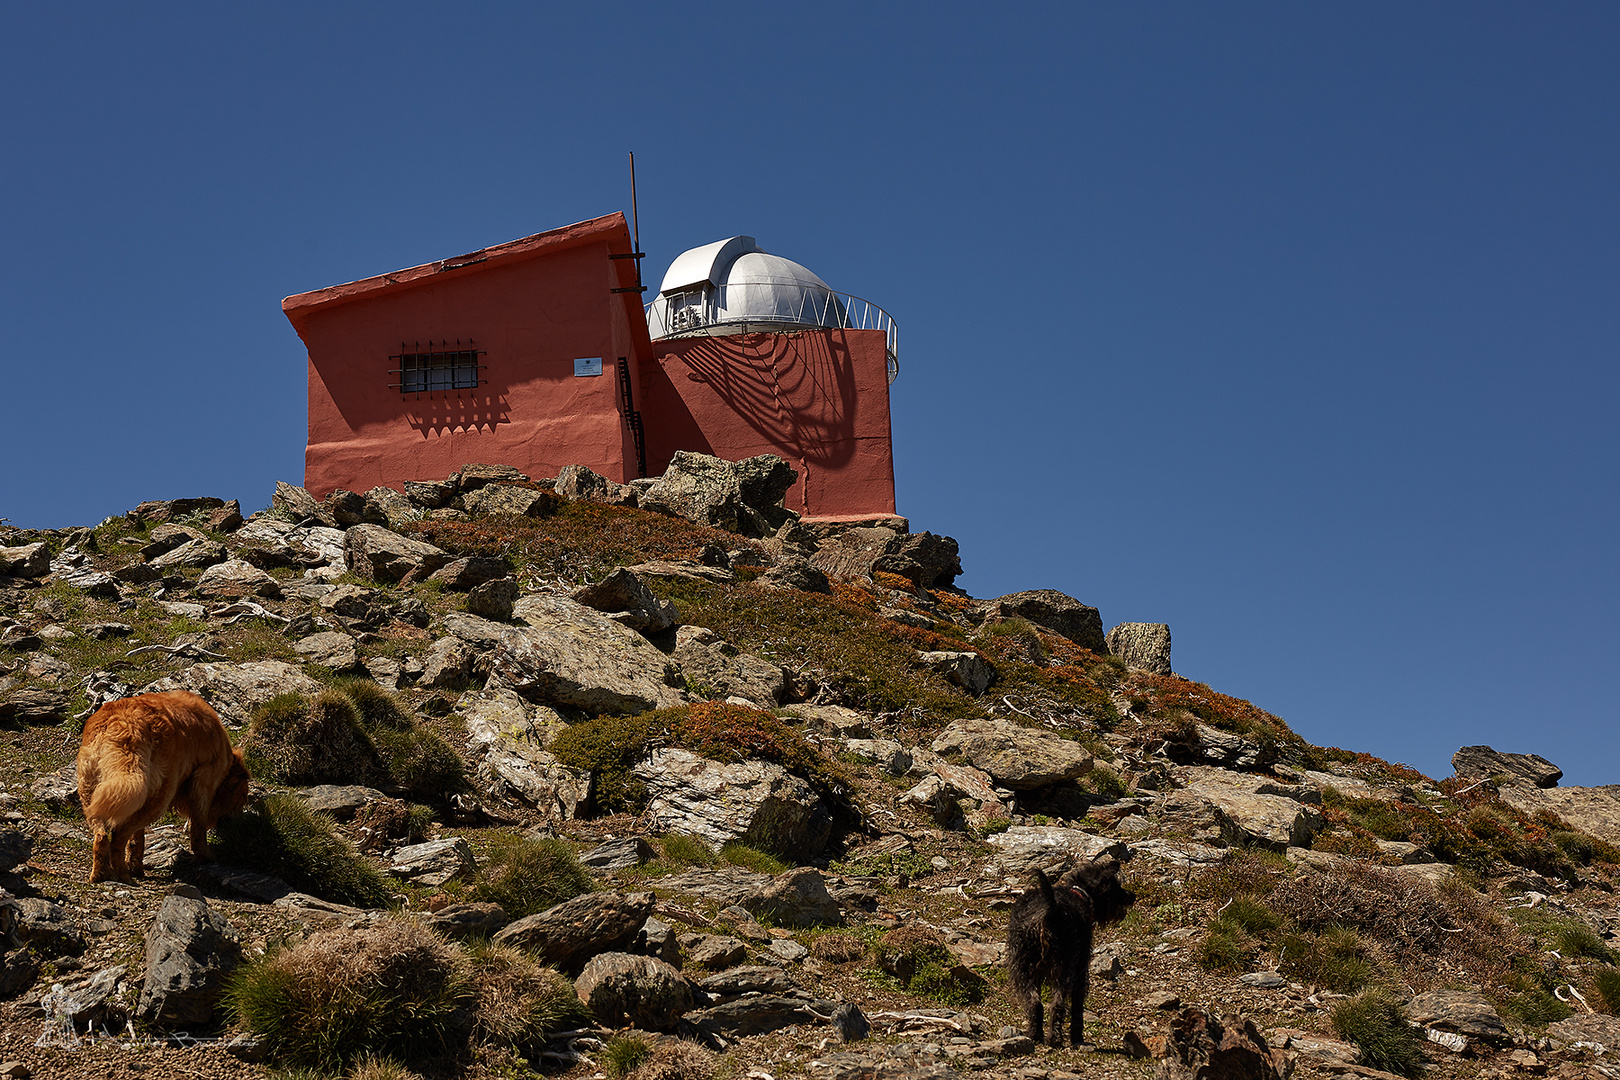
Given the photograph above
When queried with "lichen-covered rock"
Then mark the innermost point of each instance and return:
(721, 802)
(329, 649)
(190, 949)
(627, 990)
(580, 482)
(236, 578)
(569, 655)
(741, 497)
(28, 561)
(968, 670)
(1051, 610)
(1024, 848)
(1145, 646)
(623, 598)
(575, 930)
(383, 555)
(1016, 757)
(719, 669)
(1531, 770)
(508, 499)
(926, 560)
(796, 898)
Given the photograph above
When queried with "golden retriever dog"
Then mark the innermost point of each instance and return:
(142, 755)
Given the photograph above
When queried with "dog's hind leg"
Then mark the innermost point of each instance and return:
(1060, 1009)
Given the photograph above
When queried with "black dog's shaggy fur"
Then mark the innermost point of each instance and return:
(1049, 936)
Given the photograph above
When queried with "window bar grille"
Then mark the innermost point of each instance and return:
(439, 367)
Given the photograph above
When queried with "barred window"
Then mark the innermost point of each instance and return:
(440, 366)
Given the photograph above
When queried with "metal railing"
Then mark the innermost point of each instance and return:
(693, 312)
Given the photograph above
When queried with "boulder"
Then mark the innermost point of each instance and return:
(1051, 610)
(797, 574)
(50, 929)
(235, 689)
(1274, 822)
(569, 934)
(168, 509)
(719, 670)
(724, 495)
(292, 503)
(27, 561)
(329, 649)
(854, 552)
(626, 990)
(1464, 1012)
(1022, 849)
(467, 922)
(493, 599)
(448, 664)
(656, 938)
(166, 537)
(511, 500)
(58, 790)
(797, 898)
(434, 862)
(194, 554)
(1200, 744)
(1585, 1028)
(926, 560)
(1529, 770)
(711, 952)
(430, 494)
(477, 475)
(74, 569)
(388, 507)
(623, 854)
(190, 949)
(339, 801)
(766, 1012)
(468, 573)
(15, 848)
(1200, 1047)
(1015, 757)
(579, 482)
(570, 655)
(35, 705)
(968, 670)
(741, 981)
(382, 555)
(754, 801)
(622, 596)
(349, 509)
(1145, 646)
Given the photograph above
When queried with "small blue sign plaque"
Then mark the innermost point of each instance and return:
(588, 365)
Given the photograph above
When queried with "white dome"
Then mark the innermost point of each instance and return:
(732, 287)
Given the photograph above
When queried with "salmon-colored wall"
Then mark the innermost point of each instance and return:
(532, 313)
(819, 398)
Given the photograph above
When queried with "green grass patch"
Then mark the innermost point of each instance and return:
(737, 853)
(284, 837)
(1376, 1024)
(526, 876)
(623, 1055)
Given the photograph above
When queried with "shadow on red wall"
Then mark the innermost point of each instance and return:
(443, 413)
(792, 394)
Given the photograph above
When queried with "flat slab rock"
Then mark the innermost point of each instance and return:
(1024, 848)
(1016, 757)
(575, 930)
(722, 802)
(568, 654)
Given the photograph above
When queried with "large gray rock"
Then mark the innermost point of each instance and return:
(623, 598)
(29, 561)
(1024, 848)
(35, 705)
(968, 670)
(493, 600)
(468, 573)
(1463, 1012)
(434, 862)
(626, 990)
(1015, 757)
(569, 934)
(510, 756)
(926, 560)
(753, 801)
(767, 1012)
(854, 552)
(51, 929)
(380, 554)
(796, 898)
(73, 568)
(166, 537)
(195, 554)
(163, 510)
(797, 574)
(235, 689)
(570, 655)
(1585, 1028)
(329, 649)
(719, 669)
(508, 499)
(190, 948)
(294, 504)
(1200, 744)
(467, 922)
(477, 475)
(1142, 645)
(579, 482)
(235, 578)
(1051, 610)
(741, 497)
(1274, 822)
(1531, 770)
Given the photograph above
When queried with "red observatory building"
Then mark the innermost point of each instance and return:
(538, 353)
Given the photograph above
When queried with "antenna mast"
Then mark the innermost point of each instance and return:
(635, 235)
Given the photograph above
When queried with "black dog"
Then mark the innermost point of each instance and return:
(1049, 935)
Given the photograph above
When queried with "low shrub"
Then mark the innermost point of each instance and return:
(1376, 1024)
(623, 1055)
(1583, 848)
(520, 1002)
(1226, 947)
(1334, 960)
(372, 1067)
(1606, 982)
(391, 988)
(678, 1059)
(1241, 872)
(837, 947)
(681, 851)
(920, 960)
(284, 837)
(352, 733)
(526, 876)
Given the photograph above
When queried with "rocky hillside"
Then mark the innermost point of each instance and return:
(654, 780)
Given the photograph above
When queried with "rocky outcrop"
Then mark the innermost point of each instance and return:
(623, 598)
(1051, 610)
(511, 759)
(573, 656)
(1529, 770)
(741, 497)
(968, 670)
(627, 990)
(796, 898)
(717, 669)
(26, 561)
(1052, 848)
(569, 934)
(720, 802)
(579, 482)
(1202, 744)
(1015, 757)
(379, 554)
(190, 949)
(1145, 646)
(511, 500)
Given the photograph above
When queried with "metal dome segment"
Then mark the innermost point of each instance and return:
(732, 287)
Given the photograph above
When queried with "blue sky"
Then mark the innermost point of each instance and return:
(1292, 326)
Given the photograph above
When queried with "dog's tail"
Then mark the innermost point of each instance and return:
(1045, 884)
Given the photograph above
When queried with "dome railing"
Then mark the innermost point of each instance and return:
(703, 310)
